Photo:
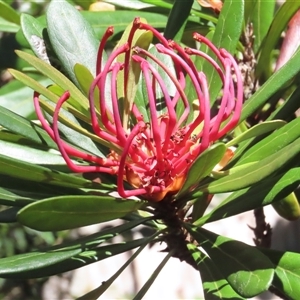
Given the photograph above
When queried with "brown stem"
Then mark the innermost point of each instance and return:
(176, 237)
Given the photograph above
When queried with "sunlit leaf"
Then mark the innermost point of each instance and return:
(272, 85)
(80, 102)
(260, 14)
(8, 13)
(203, 166)
(272, 143)
(254, 173)
(72, 37)
(215, 287)
(257, 130)
(35, 173)
(247, 270)
(280, 21)
(23, 127)
(226, 35)
(287, 271)
(260, 194)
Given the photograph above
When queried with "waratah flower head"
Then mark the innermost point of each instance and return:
(152, 147)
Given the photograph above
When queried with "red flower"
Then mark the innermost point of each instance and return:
(154, 156)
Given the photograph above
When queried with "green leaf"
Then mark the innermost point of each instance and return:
(280, 21)
(75, 137)
(9, 197)
(273, 143)
(85, 4)
(257, 130)
(28, 171)
(23, 127)
(80, 102)
(226, 35)
(30, 262)
(6, 26)
(288, 108)
(30, 154)
(288, 207)
(18, 98)
(69, 256)
(65, 212)
(247, 270)
(32, 30)
(215, 286)
(8, 13)
(72, 37)
(101, 20)
(287, 271)
(85, 79)
(167, 5)
(272, 85)
(260, 14)
(202, 167)
(260, 194)
(253, 172)
(177, 17)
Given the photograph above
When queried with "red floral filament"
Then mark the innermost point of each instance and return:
(154, 156)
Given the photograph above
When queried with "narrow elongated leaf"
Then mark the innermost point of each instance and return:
(215, 286)
(227, 35)
(280, 21)
(39, 264)
(177, 17)
(168, 5)
(257, 130)
(23, 127)
(101, 20)
(74, 136)
(260, 194)
(9, 198)
(247, 270)
(30, 155)
(78, 100)
(17, 97)
(6, 26)
(140, 295)
(25, 263)
(272, 85)
(287, 271)
(273, 143)
(35, 173)
(254, 172)
(84, 78)
(8, 13)
(203, 166)
(96, 293)
(71, 37)
(65, 212)
(288, 108)
(260, 14)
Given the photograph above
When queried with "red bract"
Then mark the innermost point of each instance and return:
(154, 156)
